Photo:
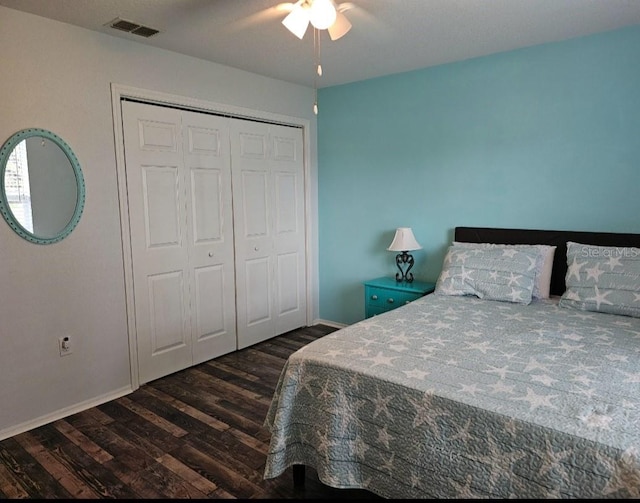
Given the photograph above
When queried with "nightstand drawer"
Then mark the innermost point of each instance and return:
(385, 294)
(383, 297)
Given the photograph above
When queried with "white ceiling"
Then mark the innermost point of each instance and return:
(388, 36)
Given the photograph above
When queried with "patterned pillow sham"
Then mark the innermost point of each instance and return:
(544, 265)
(602, 278)
(492, 273)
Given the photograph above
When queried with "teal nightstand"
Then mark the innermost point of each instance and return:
(384, 294)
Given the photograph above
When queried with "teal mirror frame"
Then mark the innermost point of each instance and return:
(8, 215)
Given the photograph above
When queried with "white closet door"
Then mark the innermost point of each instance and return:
(268, 204)
(178, 189)
(210, 234)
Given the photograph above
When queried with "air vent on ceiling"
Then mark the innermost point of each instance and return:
(131, 27)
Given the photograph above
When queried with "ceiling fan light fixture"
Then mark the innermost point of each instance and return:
(297, 20)
(322, 13)
(340, 27)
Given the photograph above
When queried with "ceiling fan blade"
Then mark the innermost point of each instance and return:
(297, 21)
(344, 6)
(340, 27)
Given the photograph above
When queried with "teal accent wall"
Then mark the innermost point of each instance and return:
(546, 137)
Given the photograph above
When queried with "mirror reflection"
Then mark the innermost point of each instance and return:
(42, 186)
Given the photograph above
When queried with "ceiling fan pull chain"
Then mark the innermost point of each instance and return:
(316, 50)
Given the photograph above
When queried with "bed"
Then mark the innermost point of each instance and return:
(474, 396)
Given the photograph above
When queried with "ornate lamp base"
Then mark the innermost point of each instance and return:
(404, 261)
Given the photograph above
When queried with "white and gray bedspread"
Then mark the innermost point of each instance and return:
(452, 397)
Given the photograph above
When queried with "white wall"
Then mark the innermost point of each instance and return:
(58, 77)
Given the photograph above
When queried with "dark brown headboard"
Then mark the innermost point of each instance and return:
(542, 237)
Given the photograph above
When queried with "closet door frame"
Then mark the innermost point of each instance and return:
(120, 92)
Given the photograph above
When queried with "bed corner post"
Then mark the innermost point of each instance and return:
(298, 475)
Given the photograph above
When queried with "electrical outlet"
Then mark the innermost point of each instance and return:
(64, 345)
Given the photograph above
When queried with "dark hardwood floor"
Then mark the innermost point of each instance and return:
(197, 433)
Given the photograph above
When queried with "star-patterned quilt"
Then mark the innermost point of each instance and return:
(458, 397)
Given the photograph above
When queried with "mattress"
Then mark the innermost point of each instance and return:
(451, 397)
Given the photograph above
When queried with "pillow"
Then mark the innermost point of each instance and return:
(492, 273)
(602, 278)
(544, 265)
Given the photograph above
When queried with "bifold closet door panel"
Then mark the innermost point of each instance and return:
(181, 235)
(210, 223)
(289, 227)
(159, 250)
(268, 204)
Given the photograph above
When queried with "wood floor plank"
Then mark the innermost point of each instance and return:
(198, 433)
(242, 399)
(176, 431)
(118, 412)
(96, 415)
(255, 362)
(170, 415)
(249, 440)
(278, 350)
(230, 372)
(10, 487)
(227, 388)
(91, 473)
(257, 385)
(225, 474)
(228, 446)
(259, 444)
(81, 440)
(211, 422)
(118, 442)
(146, 436)
(201, 483)
(34, 479)
(209, 404)
(76, 487)
(169, 484)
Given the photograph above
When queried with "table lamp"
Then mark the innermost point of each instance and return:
(404, 242)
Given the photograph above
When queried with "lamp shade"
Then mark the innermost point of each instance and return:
(404, 240)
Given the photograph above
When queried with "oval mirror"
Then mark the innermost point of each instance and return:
(41, 186)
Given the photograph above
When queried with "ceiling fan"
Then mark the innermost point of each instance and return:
(321, 14)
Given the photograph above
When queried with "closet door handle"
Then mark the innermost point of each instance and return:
(256, 248)
(211, 254)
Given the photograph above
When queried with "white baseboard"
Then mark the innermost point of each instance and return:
(329, 323)
(62, 413)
